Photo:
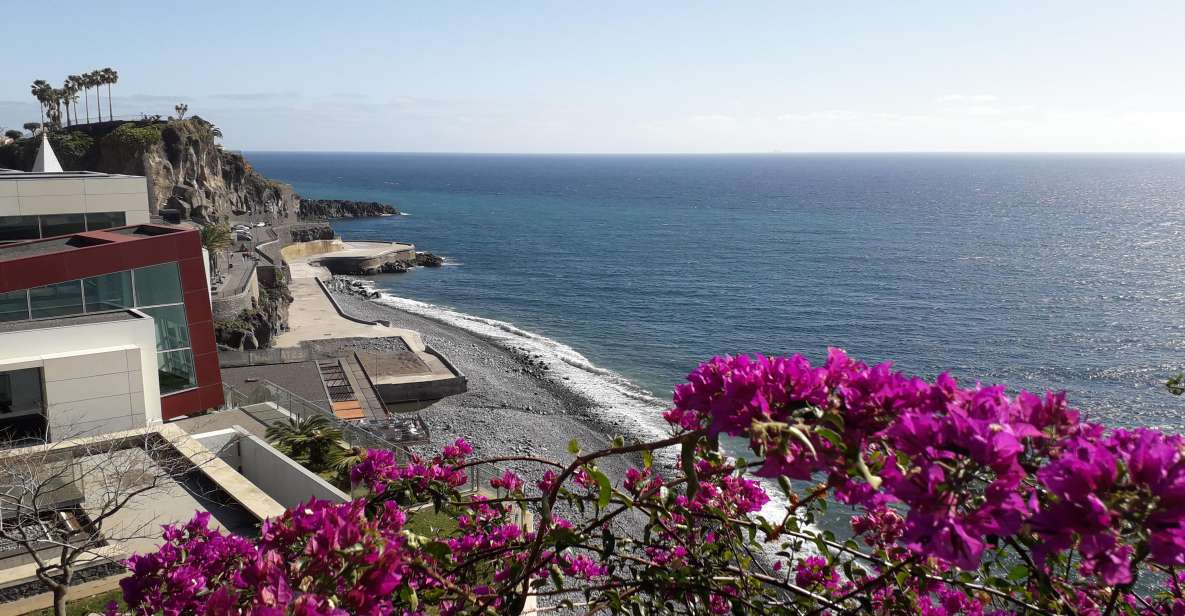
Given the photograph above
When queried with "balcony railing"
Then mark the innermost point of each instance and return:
(289, 405)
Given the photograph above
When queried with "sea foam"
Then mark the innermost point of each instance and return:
(613, 394)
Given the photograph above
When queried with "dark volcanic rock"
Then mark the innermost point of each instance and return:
(394, 267)
(319, 209)
(427, 259)
(309, 233)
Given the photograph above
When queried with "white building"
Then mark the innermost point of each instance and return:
(79, 375)
(47, 201)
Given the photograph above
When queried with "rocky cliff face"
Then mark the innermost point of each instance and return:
(187, 169)
(320, 209)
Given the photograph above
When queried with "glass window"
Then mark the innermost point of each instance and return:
(56, 300)
(158, 284)
(175, 370)
(172, 329)
(108, 292)
(20, 392)
(105, 220)
(14, 228)
(14, 306)
(62, 224)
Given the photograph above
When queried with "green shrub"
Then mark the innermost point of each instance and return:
(131, 136)
(72, 148)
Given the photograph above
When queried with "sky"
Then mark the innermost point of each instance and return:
(626, 77)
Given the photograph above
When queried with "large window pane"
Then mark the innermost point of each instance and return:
(176, 372)
(20, 392)
(172, 330)
(108, 292)
(105, 220)
(14, 228)
(14, 306)
(56, 300)
(158, 284)
(62, 224)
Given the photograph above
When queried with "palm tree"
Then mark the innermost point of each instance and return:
(109, 76)
(312, 441)
(70, 96)
(215, 239)
(84, 82)
(57, 96)
(181, 108)
(41, 91)
(96, 80)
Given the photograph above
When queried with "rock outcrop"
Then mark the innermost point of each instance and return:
(308, 233)
(427, 259)
(255, 328)
(322, 209)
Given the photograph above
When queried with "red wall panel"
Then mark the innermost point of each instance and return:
(124, 252)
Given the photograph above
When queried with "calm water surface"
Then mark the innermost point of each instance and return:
(1057, 272)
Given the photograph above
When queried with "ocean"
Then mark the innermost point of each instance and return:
(1036, 271)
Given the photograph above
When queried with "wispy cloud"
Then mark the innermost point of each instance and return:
(977, 99)
(844, 115)
(255, 96)
(151, 98)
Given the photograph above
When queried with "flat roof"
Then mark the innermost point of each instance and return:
(66, 243)
(80, 319)
(17, 174)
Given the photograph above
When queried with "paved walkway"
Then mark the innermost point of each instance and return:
(312, 317)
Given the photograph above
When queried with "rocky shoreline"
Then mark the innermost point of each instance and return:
(514, 405)
(322, 209)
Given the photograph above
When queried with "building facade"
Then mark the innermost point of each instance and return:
(56, 287)
(35, 205)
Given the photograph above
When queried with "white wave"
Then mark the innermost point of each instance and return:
(612, 393)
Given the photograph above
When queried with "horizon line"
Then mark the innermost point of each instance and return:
(765, 153)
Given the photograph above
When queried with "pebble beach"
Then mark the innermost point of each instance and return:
(516, 404)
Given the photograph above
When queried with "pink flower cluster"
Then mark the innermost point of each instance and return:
(960, 460)
(381, 468)
(319, 559)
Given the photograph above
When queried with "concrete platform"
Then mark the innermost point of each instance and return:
(341, 257)
(401, 367)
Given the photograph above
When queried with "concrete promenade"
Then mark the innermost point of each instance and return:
(313, 317)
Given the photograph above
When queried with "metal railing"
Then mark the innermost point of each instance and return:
(289, 405)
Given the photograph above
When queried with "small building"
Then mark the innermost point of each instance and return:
(48, 201)
(75, 313)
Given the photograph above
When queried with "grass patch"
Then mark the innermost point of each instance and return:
(86, 605)
(430, 523)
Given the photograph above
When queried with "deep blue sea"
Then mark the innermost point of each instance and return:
(1036, 271)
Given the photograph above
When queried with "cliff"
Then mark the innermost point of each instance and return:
(321, 209)
(187, 169)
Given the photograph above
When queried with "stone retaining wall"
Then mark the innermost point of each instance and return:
(228, 307)
(315, 247)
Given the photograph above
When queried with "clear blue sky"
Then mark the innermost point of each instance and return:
(627, 77)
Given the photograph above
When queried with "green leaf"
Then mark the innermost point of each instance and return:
(574, 447)
(1018, 572)
(647, 459)
(437, 549)
(605, 489)
(830, 435)
(608, 542)
(618, 441)
(563, 537)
